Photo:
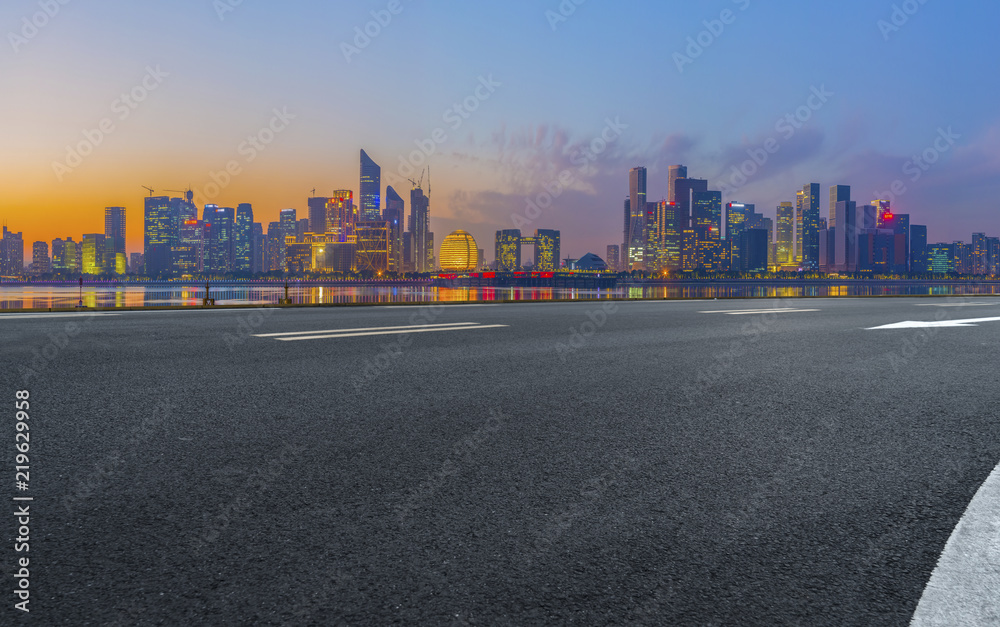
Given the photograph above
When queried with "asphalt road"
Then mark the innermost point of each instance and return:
(633, 463)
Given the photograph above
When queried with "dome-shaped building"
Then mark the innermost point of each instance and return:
(459, 253)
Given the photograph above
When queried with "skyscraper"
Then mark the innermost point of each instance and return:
(785, 254)
(675, 172)
(275, 247)
(395, 213)
(160, 231)
(371, 186)
(114, 229)
(257, 249)
(372, 246)
(220, 253)
(342, 215)
(243, 238)
(547, 249)
(636, 240)
(807, 217)
(191, 247)
(508, 250)
(422, 244)
(93, 257)
(40, 262)
(838, 193)
(318, 218)
(918, 248)
(670, 228)
(706, 214)
(612, 257)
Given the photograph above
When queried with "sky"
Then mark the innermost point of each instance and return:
(516, 102)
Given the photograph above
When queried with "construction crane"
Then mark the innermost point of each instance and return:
(419, 185)
(188, 193)
(151, 190)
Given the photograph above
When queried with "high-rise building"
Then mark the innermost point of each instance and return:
(243, 239)
(613, 260)
(275, 247)
(675, 172)
(785, 253)
(993, 256)
(843, 255)
(220, 251)
(706, 214)
(736, 215)
(422, 242)
(318, 215)
(371, 186)
(191, 247)
(508, 250)
(978, 255)
(301, 228)
(40, 262)
(637, 240)
(93, 257)
(257, 246)
(136, 264)
(395, 213)
(547, 249)
(918, 248)
(58, 256)
(753, 247)
(684, 191)
(160, 232)
(807, 221)
(669, 226)
(342, 215)
(838, 194)
(12, 254)
(114, 229)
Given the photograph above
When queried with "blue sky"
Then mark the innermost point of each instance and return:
(891, 93)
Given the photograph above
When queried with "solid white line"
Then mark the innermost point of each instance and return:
(958, 305)
(412, 326)
(342, 335)
(54, 315)
(963, 590)
(747, 312)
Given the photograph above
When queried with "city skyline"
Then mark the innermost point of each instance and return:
(286, 131)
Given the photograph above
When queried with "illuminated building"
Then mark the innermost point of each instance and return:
(547, 248)
(136, 263)
(114, 229)
(191, 247)
(838, 194)
(689, 250)
(298, 256)
(394, 213)
(590, 263)
(421, 242)
(651, 234)
(289, 222)
(882, 208)
(807, 220)
(71, 256)
(371, 186)
(918, 248)
(786, 234)
(92, 259)
(669, 225)
(508, 250)
(736, 214)
(40, 258)
(243, 238)
(159, 236)
(612, 257)
(459, 253)
(940, 258)
(257, 247)
(220, 252)
(341, 215)
(275, 247)
(635, 239)
(58, 256)
(675, 172)
(372, 247)
(978, 255)
(706, 214)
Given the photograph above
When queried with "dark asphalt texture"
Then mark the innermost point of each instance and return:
(673, 468)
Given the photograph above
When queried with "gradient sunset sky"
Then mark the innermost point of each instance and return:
(894, 90)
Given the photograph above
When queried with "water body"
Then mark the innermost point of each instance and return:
(65, 296)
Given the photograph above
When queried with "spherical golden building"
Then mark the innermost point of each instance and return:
(459, 253)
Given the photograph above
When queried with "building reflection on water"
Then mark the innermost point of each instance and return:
(67, 297)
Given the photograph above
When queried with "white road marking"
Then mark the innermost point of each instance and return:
(919, 324)
(963, 590)
(957, 305)
(400, 332)
(53, 315)
(335, 331)
(751, 312)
